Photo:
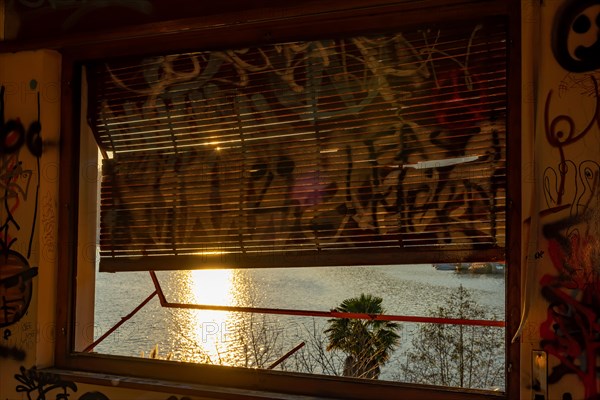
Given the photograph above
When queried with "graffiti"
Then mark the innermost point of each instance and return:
(575, 38)
(15, 287)
(559, 137)
(37, 385)
(13, 135)
(571, 329)
(434, 173)
(93, 396)
(43, 386)
(24, 335)
(15, 272)
(539, 254)
(48, 225)
(12, 352)
(12, 139)
(29, 334)
(580, 196)
(14, 180)
(580, 83)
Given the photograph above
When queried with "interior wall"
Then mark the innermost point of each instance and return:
(562, 173)
(28, 238)
(28, 212)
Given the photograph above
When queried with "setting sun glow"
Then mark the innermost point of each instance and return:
(210, 329)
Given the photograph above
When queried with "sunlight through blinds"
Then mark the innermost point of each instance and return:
(358, 151)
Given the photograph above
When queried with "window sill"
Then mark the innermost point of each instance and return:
(210, 392)
(173, 388)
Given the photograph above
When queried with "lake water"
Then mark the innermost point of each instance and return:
(243, 339)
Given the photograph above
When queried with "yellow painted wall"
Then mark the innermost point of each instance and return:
(29, 207)
(561, 196)
(31, 338)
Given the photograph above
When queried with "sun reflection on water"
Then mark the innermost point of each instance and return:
(214, 286)
(212, 329)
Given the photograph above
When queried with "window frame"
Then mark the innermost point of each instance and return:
(314, 21)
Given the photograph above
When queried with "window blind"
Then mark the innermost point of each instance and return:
(364, 150)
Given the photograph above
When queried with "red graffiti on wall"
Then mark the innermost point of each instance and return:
(571, 331)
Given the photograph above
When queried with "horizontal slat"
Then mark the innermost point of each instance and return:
(333, 113)
(331, 99)
(172, 128)
(355, 257)
(439, 230)
(181, 191)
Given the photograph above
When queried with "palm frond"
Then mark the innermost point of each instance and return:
(367, 343)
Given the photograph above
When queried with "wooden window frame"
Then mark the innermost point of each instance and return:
(312, 21)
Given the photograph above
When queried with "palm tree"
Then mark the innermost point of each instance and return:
(367, 344)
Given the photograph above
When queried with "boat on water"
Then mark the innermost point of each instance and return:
(486, 268)
(474, 268)
(445, 266)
